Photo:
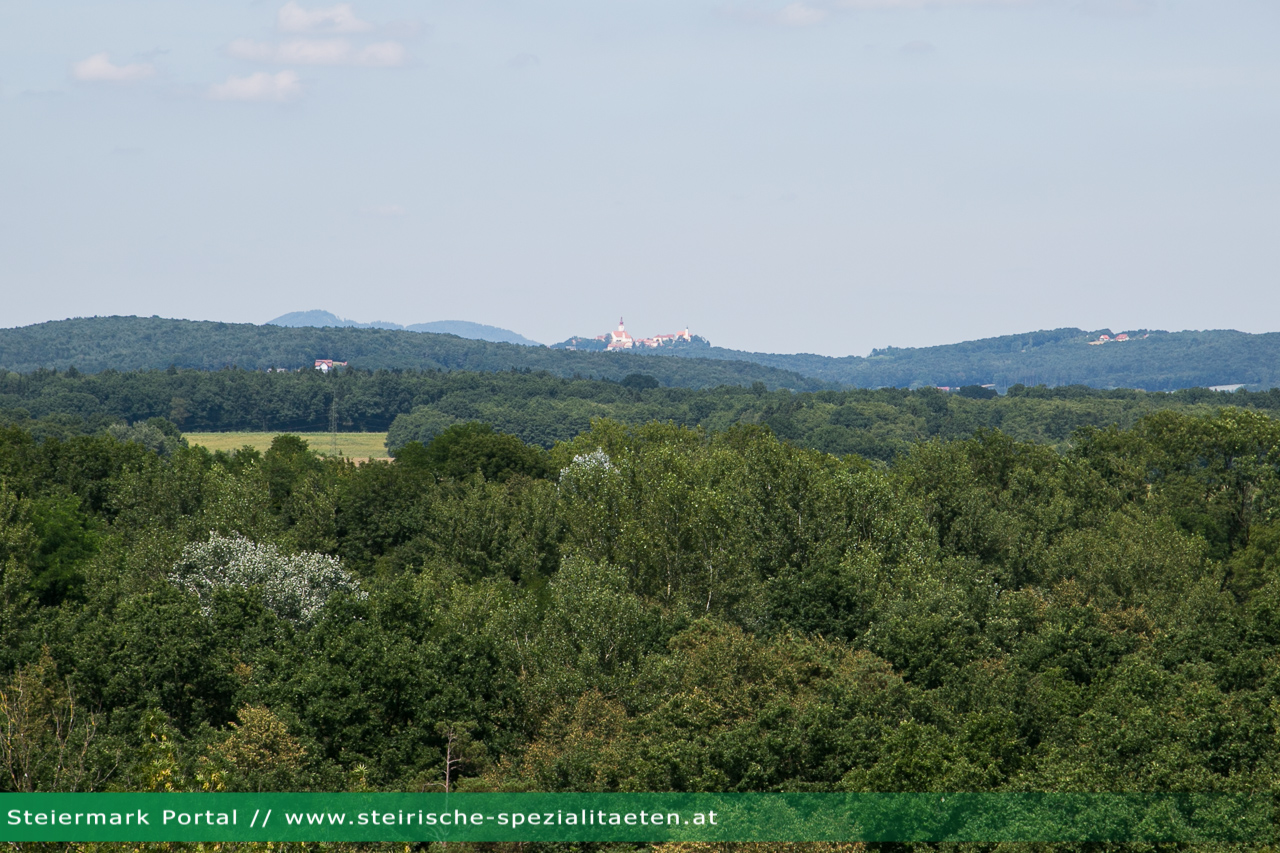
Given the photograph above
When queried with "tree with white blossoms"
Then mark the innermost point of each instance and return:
(592, 494)
(294, 587)
(586, 465)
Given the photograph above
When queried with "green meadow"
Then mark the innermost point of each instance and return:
(353, 445)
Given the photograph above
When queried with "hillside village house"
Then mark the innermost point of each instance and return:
(324, 365)
(1105, 338)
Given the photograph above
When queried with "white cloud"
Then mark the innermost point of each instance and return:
(99, 68)
(384, 54)
(801, 15)
(293, 18)
(262, 86)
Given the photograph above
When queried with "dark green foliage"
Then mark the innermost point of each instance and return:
(149, 649)
(156, 434)
(64, 543)
(466, 449)
(639, 382)
(542, 409)
(470, 448)
(977, 392)
(418, 428)
(284, 466)
(660, 607)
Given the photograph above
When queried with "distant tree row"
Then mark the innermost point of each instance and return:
(542, 409)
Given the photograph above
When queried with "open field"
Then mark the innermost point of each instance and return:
(354, 445)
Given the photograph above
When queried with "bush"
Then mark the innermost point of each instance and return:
(157, 435)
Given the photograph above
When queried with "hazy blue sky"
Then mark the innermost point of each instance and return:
(824, 176)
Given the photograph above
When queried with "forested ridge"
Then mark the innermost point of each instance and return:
(543, 409)
(646, 607)
(1154, 361)
(96, 344)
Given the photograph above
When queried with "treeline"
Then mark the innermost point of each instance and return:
(646, 608)
(96, 344)
(542, 409)
(1155, 361)
(875, 424)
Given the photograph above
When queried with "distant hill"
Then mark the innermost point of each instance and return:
(95, 344)
(321, 319)
(1150, 360)
(461, 328)
(474, 331)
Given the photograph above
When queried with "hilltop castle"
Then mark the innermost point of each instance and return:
(620, 339)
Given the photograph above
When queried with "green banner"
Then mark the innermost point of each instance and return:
(1151, 818)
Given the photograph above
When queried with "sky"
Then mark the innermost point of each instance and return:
(812, 176)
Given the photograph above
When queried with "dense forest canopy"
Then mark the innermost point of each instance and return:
(568, 584)
(647, 607)
(543, 409)
(1154, 360)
